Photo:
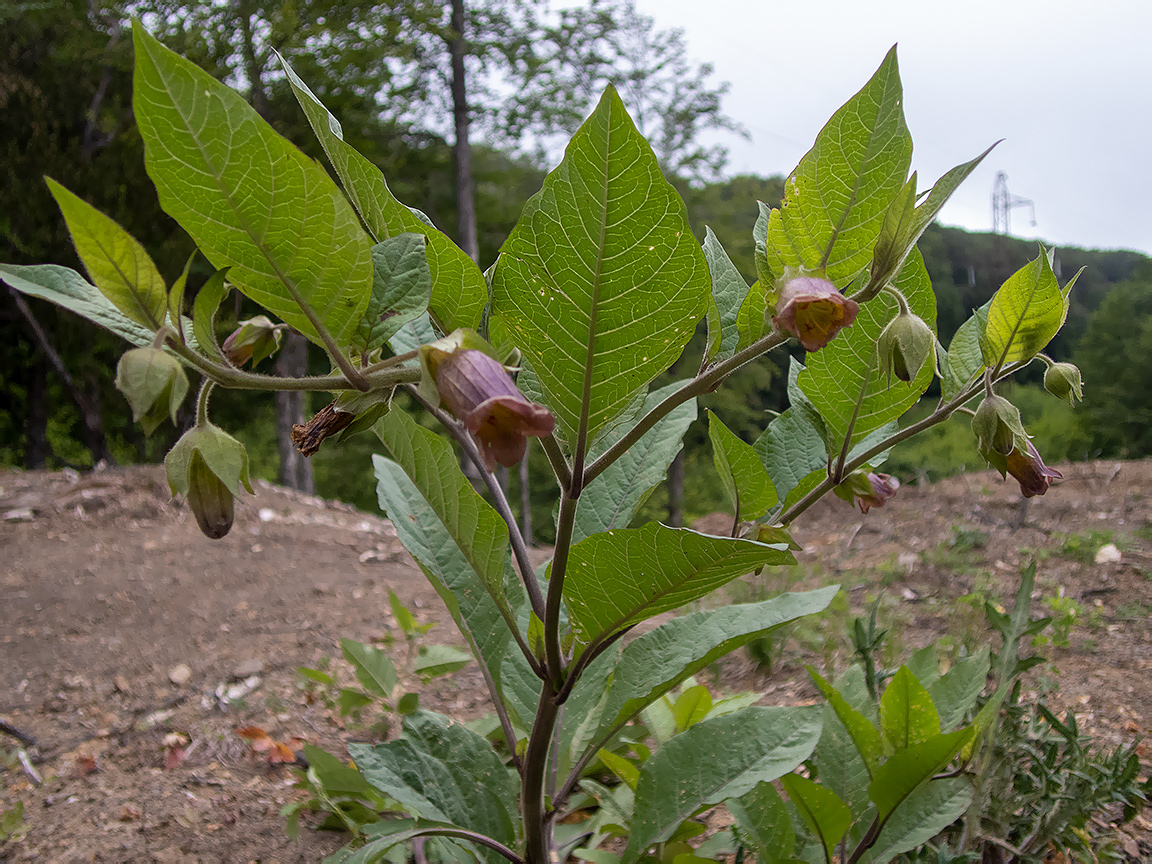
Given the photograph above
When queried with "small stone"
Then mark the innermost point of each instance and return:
(75, 682)
(122, 685)
(1108, 554)
(253, 666)
(19, 514)
(180, 674)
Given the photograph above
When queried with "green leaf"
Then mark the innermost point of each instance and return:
(956, 692)
(965, 359)
(907, 715)
(315, 675)
(764, 273)
(459, 292)
(764, 822)
(412, 335)
(472, 523)
(176, 295)
(351, 700)
(926, 812)
(821, 809)
(401, 287)
(374, 669)
(610, 500)
(840, 767)
(791, 450)
(940, 193)
(728, 292)
(655, 662)
(836, 199)
(70, 290)
(905, 770)
(119, 266)
(419, 528)
(742, 474)
(720, 758)
(621, 577)
(691, 707)
(204, 307)
(601, 282)
(835, 374)
(436, 660)
(892, 246)
(752, 320)
(628, 773)
(1024, 314)
(924, 665)
(405, 620)
(864, 735)
(470, 754)
(248, 197)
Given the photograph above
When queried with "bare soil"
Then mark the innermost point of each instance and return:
(107, 588)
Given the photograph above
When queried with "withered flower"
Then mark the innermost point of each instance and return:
(867, 489)
(253, 340)
(476, 389)
(812, 310)
(1029, 469)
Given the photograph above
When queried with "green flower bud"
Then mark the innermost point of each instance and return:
(1062, 380)
(253, 340)
(207, 465)
(154, 383)
(905, 345)
(998, 429)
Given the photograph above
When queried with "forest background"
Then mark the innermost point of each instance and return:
(461, 105)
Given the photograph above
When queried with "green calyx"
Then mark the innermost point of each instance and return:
(998, 429)
(1063, 381)
(904, 346)
(154, 384)
(207, 465)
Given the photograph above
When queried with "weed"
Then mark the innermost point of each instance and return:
(961, 553)
(1083, 545)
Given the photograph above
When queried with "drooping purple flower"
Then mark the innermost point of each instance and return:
(813, 311)
(1030, 471)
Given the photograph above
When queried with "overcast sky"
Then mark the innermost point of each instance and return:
(1066, 83)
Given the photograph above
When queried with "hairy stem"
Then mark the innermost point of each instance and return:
(536, 834)
(202, 402)
(564, 525)
(559, 463)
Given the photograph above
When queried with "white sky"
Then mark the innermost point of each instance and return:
(1066, 83)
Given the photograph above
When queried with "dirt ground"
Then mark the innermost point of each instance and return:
(121, 624)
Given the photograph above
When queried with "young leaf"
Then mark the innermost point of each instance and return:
(821, 809)
(1024, 314)
(117, 263)
(756, 745)
(459, 292)
(176, 295)
(419, 331)
(836, 198)
(764, 822)
(728, 293)
(204, 308)
(835, 374)
(628, 773)
(691, 707)
(401, 288)
(905, 770)
(752, 321)
(436, 660)
(965, 359)
(741, 472)
(69, 290)
(655, 662)
(864, 735)
(907, 715)
(624, 576)
(601, 282)
(926, 812)
(374, 669)
(956, 692)
(610, 500)
(249, 198)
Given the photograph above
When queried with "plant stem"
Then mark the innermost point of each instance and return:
(559, 464)
(390, 361)
(703, 383)
(536, 834)
(551, 619)
(472, 836)
(202, 402)
(838, 473)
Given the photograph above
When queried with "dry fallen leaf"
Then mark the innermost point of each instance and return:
(278, 752)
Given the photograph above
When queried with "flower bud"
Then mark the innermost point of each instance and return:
(998, 429)
(474, 387)
(253, 340)
(1030, 471)
(867, 489)
(904, 346)
(154, 383)
(812, 310)
(207, 465)
(1062, 380)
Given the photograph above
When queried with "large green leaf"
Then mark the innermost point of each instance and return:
(601, 282)
(904, 771)
(764, 822)
(791, 450)
(836, 198)
(401, 287)
(841, 769)
(67, 288)
(965, 358)
(826, 816)
(621, 577)
(925, 813)
(453, 742)
(610, 501)
(459, 292)
(419, 528)
(248, 197)
(865, 736)
(955, 693)
(1024, 314)
(835, 374)
(719, 758)
(750, 490)
(907, 715)
(652, 664)
(471, 522)
(728, 292)
(119, 266)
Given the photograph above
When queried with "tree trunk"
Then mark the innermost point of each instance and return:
(462, 149)
(676, 491)
(252, 65)
(36, 449)
(295, 469)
